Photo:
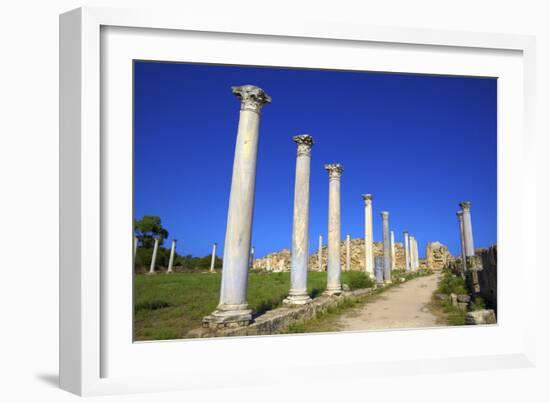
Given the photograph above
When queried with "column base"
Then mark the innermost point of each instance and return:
(387, 281)
(169, 272)
(333, 290)
(150, 273)
(228, 316)
(297, 298)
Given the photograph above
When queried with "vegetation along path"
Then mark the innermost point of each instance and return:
(402, 306)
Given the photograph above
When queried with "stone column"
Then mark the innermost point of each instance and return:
(411, 253)
(459, 214)
(348, 253)
(416, 258)
(392, 245)
(379, 270)
(320, 254)
(135, 246)
(467, 225)
(387, 252)
(407, 247)
(154, 257)
(251, 263)
(213, 258)
(172, 253)
(233, 308)
(334, 284)
(369, 254)
(300, 226)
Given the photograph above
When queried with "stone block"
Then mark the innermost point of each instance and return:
(481, 317)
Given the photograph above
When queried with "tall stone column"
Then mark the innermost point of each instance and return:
(467, 225)
(172, 253)
(213, 258)
(251, 264)
(369, 254)
(300, 226)
(459, 214)
(154, 257)
(334, 284)
(411, 253)
(348, 253)
(233, 308)
(379, 270)
(135, 246)
(407, 253)
(387, 252)
(392, 245)
(320, 254)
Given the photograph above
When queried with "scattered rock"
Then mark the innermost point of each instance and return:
(454, 299)
(345, 287)
(442, 297)
(464, 298)
(481, 317)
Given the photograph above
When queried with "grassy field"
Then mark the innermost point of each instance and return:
(168, 306)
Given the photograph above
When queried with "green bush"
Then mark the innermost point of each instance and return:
(478, 304)
(357, 279)
(451, 283)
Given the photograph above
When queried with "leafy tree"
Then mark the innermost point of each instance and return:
(148, 228)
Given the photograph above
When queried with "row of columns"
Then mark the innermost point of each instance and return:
(233, 309)
(172, 256)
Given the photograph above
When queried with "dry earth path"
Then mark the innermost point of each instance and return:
(402, 306)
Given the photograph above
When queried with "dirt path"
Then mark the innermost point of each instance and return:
(402, 306)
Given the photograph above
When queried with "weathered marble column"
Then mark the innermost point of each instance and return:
(369, 254)
(320, 254)
(348, 252)
(467, 225)
(251, 264)
(407, 255)
(171, 260)
(233, 308)
(154, 257)
(213, 258)
(135, 246)
(392, 244)
(379, 270)
(334, 284)
(411, 253)
(300, 226)
(459, 214)
(387, 252)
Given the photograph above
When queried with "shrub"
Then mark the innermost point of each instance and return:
(357, 280)
(451, 283)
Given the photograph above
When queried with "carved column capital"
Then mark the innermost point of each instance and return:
(305, 143)
(465, 205)
(252, 98)
(334, 170)
(367, 197)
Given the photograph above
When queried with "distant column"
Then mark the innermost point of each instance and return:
(251, 264)
(233, 308)
(387, 252)
(172, 253)
(411, 253)
(135, 246)
(369, 254)
(334, 285)
(459, 214)
(392, 244)
(348, 253)
(213, 258)
(320, 254)
(416, 257)
(407, 255)
(467, 225)
(154, 257)
(300, 226)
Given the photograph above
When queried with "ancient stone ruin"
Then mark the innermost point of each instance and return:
(437, 255)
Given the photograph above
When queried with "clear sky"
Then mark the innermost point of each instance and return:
(419, 144)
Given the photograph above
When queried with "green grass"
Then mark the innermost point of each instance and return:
(168, 306)
(451, 283)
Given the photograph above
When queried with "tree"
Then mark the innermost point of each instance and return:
(148, 228)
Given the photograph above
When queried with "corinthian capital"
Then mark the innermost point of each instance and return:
(367, 197)
(305, 142)
(334, 170)
(252, 97)
(385, 214)
(465, 205)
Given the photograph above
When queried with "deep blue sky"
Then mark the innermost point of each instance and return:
(419, 144)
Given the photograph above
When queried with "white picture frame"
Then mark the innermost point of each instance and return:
(87, 335)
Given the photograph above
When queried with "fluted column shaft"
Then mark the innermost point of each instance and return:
(467, 229)
(369, 254)
(334, 284)
(233, 307)
(300, 225)
(387, 246)
(411, 253)
(171, 260)
(213, 258)
(392, 245)
(459, 214)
